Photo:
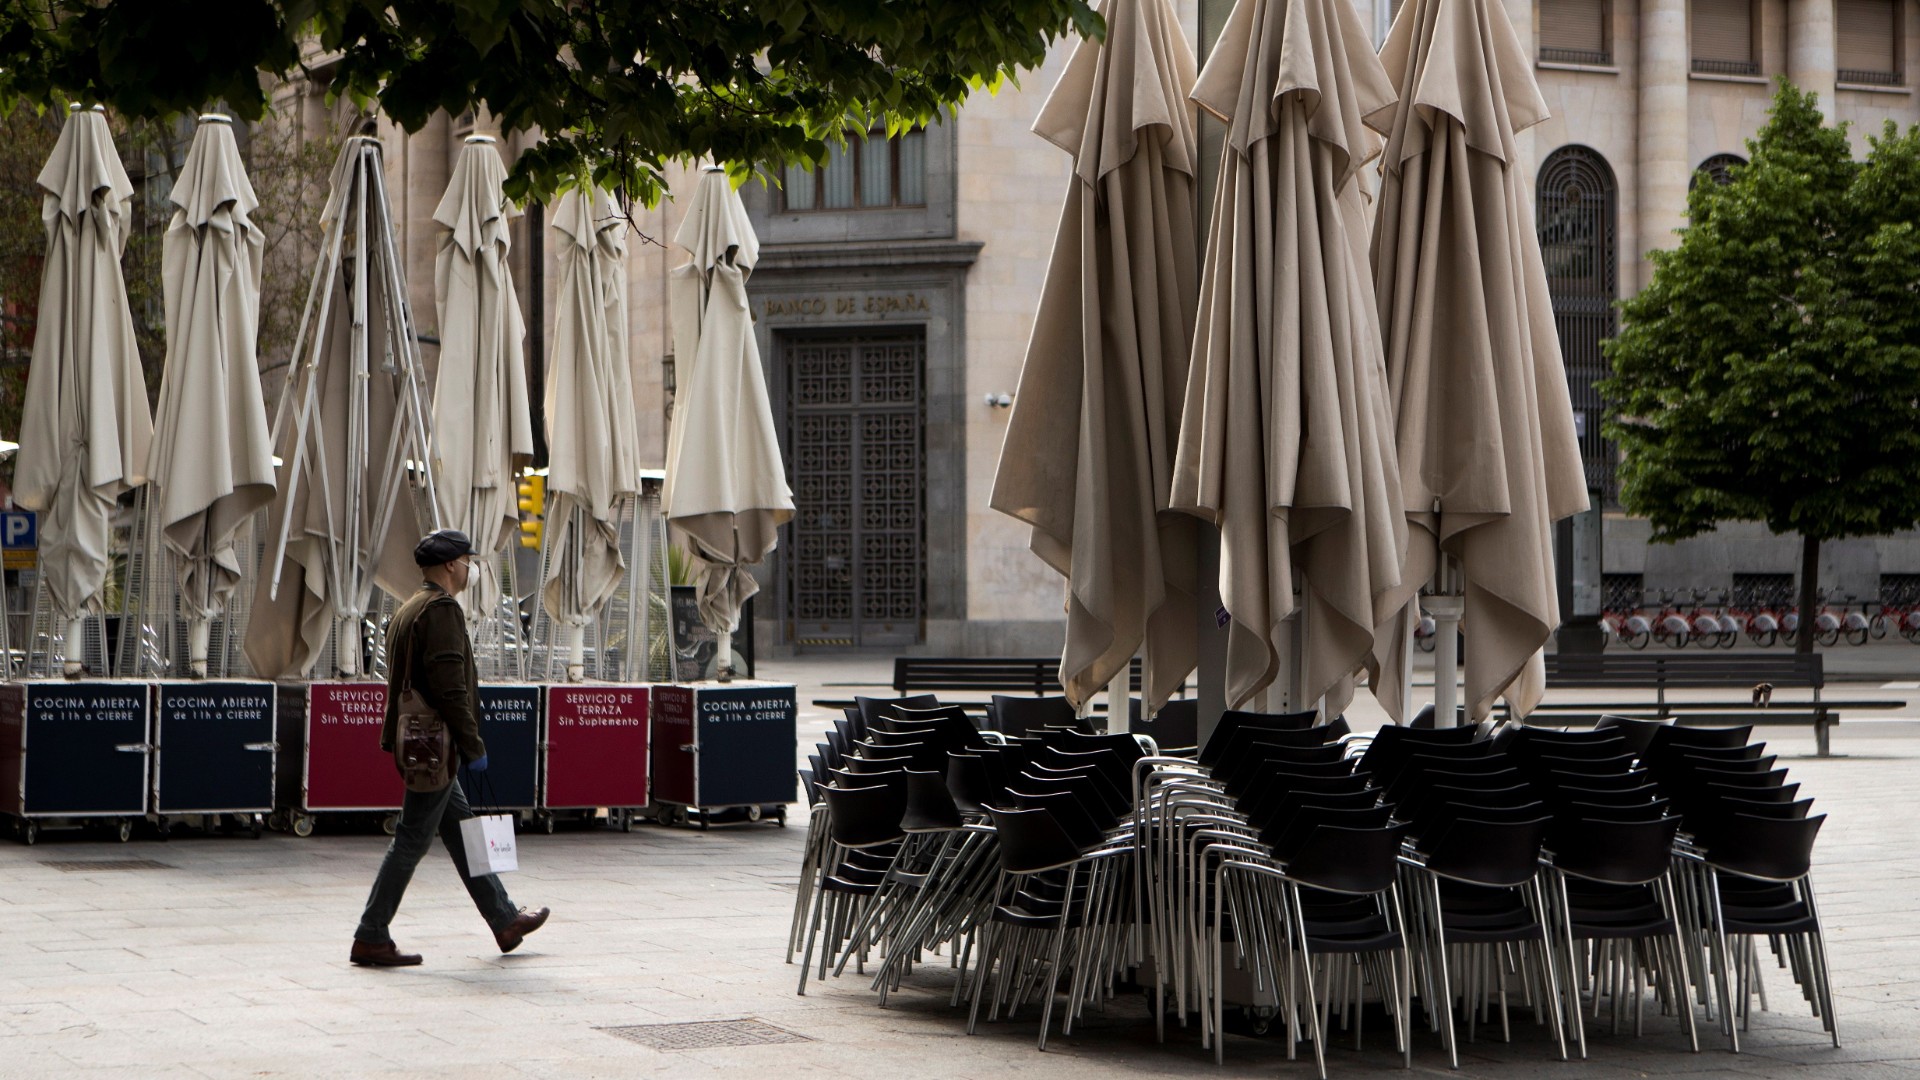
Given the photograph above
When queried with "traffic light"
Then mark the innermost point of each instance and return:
(533, 508)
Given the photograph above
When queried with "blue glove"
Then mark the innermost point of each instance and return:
(478, 764)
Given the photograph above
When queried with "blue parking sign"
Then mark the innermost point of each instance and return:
(19, 530)
(20, 539)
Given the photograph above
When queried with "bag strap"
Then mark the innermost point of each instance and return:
(412, 667)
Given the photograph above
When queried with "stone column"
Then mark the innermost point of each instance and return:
(1661, 198)
(1810, 49)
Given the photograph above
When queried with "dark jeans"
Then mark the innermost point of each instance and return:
(422, 814)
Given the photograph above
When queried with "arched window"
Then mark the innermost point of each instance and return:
(1578, 223)
(1718, 168)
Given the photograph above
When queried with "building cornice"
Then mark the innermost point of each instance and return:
(802, 258)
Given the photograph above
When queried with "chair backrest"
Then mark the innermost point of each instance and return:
(1637, 733)
(864, 764)
(1766, 848)
(1072, 814)
(1621, 781)
(1031, 839)
(1676, 735)
(930, 808)
(860, 817)
(1498, 853)
(1570, 792)
(1019, 715)
(972, 783)
(1175, 727)
(809, 788)
(1614, 851)
(1785, 793)
(871, 707)
(1586, 766)
(1087, 783)
(847, 778)
(1234, 720)
(1286, 836)
(856, 724)
(1348, 860)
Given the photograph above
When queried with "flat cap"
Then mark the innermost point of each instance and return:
(440, 547)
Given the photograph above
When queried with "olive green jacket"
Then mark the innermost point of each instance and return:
(439, 660)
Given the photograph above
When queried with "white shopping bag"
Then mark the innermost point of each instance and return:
(490, 845)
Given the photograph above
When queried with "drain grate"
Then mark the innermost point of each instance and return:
(88, 866)
(704, 1034)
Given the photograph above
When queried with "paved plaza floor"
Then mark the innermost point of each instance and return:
(229, 960)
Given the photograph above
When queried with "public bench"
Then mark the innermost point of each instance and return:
(977, 675)
(1660, 672)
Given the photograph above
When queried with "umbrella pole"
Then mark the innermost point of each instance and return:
(1119, 710)
(723, 656)
(199, 634)
(1446, 611)
(75, 664)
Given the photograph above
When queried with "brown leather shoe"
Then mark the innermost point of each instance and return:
(523, 924)
(388, 955)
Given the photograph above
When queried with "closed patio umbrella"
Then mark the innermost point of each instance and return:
(212, 461)
(1286, 440)
(726, 488)
(592, 448)
(85, 429)
(483, 428)
(1089, 452)
(351, 433)
(1484, 428)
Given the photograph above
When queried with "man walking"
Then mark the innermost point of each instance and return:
(427, 647)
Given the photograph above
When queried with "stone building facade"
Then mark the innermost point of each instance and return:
(896, 288)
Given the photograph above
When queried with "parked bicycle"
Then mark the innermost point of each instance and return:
(1759, 623)
(1708, 628)
(1627, 626)
(1671, 627)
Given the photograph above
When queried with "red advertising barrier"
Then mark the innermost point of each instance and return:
(346, 769)
(596, 743)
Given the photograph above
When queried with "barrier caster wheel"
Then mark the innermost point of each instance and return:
(124, 831)
(390, 824)
(30, 833)
(780, 816)
(706, 819)
(164, 826)
(255, 827)
(626, 821)
(277, 821)
(303, 826)
(753, 813)
(546, 824)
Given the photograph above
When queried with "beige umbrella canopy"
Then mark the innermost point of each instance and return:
(85, 430)
(726, 488)
(592, 448)
(1286, 440)
(350, 428)
(1488, 458)
(482, 424)
(1088, 457)
(212, 461)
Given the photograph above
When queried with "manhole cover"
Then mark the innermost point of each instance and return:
(703, 1034)
(88, 866)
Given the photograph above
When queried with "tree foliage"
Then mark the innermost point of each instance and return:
(1771, 370)
(619, 89)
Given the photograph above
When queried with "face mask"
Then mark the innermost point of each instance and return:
(473, 573)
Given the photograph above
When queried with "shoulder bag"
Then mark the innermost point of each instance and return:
(424, 748)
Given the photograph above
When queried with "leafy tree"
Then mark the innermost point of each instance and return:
(618, 88)
(1771, 370)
